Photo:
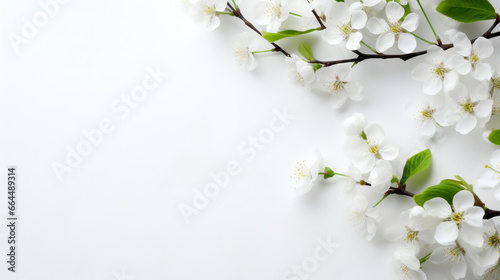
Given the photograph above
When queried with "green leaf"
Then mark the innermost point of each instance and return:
(446, 189)
(328, 173)
(316, 66)
(273, 37)
(416, 164)
(306, 51)
(495, 137)
(467, 11)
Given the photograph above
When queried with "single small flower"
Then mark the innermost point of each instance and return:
(271, 13)
(300, 70)
(344, 24)
(394, 29)
(490, 178)
(407, 267)
(337, 83)
(370, 7)
(464, 219)
(243, 52)
(423, 113)
(490, 252)
(206, 12)
(353, 183)
(437, 72)
(365, 153)
(305, 174)
(454, 255)
(363, 217)
(472, 56)
(467, 110)
(419, 231)
(355, 125)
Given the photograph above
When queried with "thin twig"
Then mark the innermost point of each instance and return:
(319, 19)
(237, 13)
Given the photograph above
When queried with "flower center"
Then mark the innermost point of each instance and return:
(374, 149)
(467, 105)
(457, 217)
(427, 113)
(210, 11)
(411, 235)
(300, 79)
(345, 29)
(301, 171)
(241, 55)
(494, 241)
(440, 70)
(456, 252)
(496, 107)
(395, 27)
(273, 11)
(474, 58)
(336, 86)
(496, 83)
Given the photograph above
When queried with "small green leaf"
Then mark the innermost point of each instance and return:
(494, 137)
(316, 66)
(306, 51)
(446, 189)
(416, 164)
(467, 11)
(328, 173)
(273, 37)
(363, 135)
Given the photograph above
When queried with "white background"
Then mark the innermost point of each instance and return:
(119, 209)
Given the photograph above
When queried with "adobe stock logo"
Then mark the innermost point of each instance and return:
(322, 252)
(222, 178)
(121, 108)
(31, 27)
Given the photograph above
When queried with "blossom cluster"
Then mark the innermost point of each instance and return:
(451, 229)
(460, 86)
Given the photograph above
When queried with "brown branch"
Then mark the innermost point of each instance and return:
(399, 191)
(237, 13)
(320, 21)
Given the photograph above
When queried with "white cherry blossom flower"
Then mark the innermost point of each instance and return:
(423, 113)
(407, 267)
(491, 273)
(206, 12)
(453, 254)
(353, 183)
(271, 13)
(366, 152)
(301, 71)
(344, 24)
(370, 7)
(464, 219)
(491, 248)
(336, 82)
(394, 29)
(381, 176)
(305, 174)
(490, 178)
(363, 217)
(472, 56)
(243, 52)
(467, 110)
(419, 231)
(355, 125)
(437, 72)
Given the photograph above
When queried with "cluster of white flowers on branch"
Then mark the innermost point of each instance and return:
(449, 222)
(353, 24)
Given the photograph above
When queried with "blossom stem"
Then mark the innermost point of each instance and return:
(384, 197)
(236, 5)
(420, 38)
(294, 14)
(237, 13)
(224, 13)
(430, 24)
(371, 49)
(425, 258)
(271, 50)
